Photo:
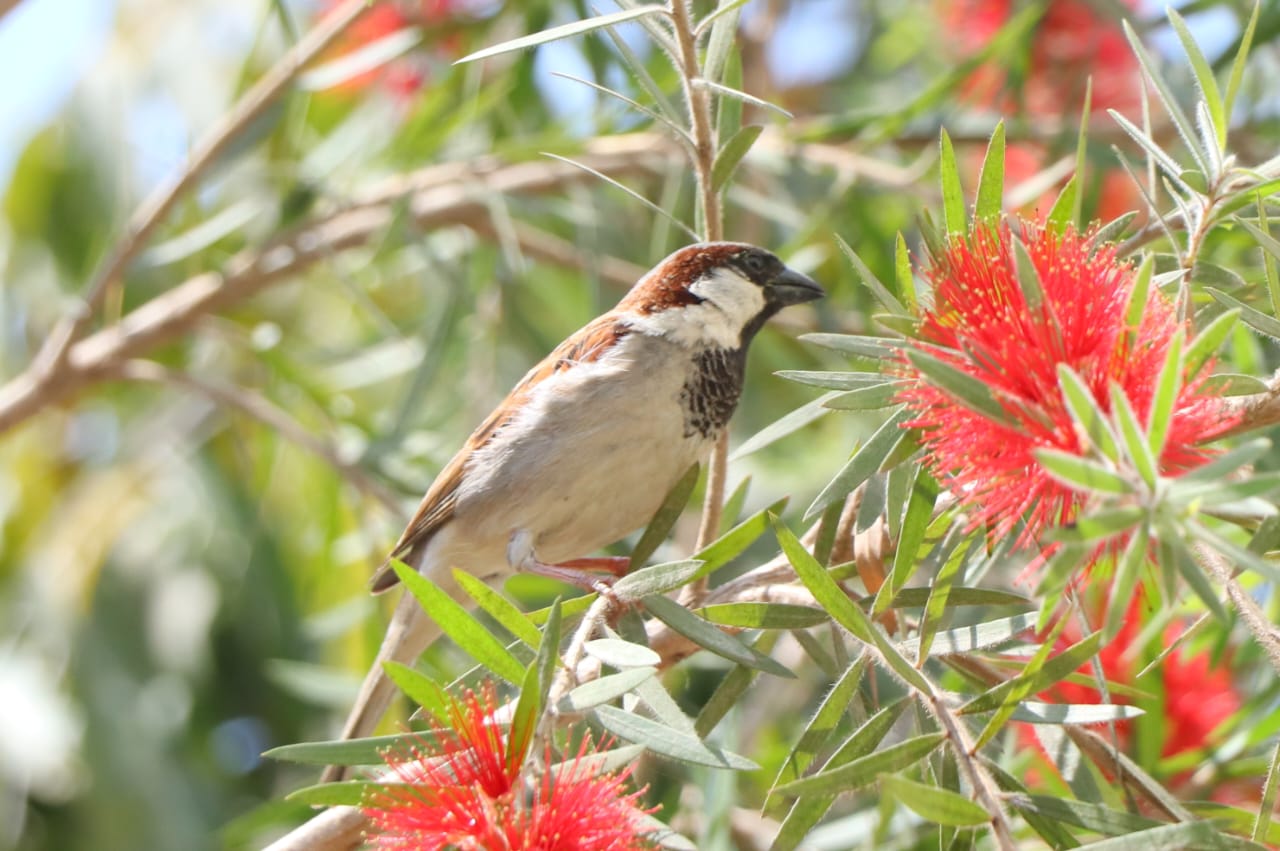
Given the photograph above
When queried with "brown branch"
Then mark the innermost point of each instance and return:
(335, 829)
(53, 355)
(7, 6)
(460, 198)
(261, 409)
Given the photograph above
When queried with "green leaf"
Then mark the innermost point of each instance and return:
(1139, 296)
(457, 623)
(825, 590)
(657, 579)
(346, 793)
(1087, 414)
(605, 689)
(1204, 78)
(1255, 319)
(1237, 66)
(764, 615)
(1094, 817)
(953, 215)
(1063, 212)
(910, 536)
(834, 379)
(904, 278)
(1196, 579)
(562, 31)
(1262, 822)
(808, 809)
(1165, 400)
(847, 613)
(1185, 128)
(990, 201)
(973, 393)
(964, 639)
(931, 803)
(663, 740)
(1033, 712)
(955, 547)
(1128, 570)
(874, 398)
(1200, 835)
(710, 637)
(731, 155)
(1037, 675)
(827, 717)
(733, 543)
(499, 608)
(872, 348)
(1134, 436)
(367, 751)
(534, 692)
(886, 298)
(728, 693)
(865, 463)
(1081, 473)
(664, 519)
(789, 423)
(421, 689)
(865, 770)
(622, 654)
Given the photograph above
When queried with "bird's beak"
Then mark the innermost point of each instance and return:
(790, 287)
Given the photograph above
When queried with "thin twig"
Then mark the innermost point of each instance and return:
(261, 409)
(1259, 625)
(703, 134)
(57, 347)
(459, 199)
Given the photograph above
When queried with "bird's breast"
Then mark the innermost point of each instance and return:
(593, 454)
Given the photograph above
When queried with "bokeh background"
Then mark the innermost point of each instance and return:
(184, 550)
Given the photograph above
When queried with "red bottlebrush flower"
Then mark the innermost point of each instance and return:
(982, 325)
(1072, 41)
(1197, 696)
(467, 789)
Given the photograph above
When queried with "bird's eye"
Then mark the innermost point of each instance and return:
(754, 263)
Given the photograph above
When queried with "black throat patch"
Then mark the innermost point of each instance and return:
(710, 395)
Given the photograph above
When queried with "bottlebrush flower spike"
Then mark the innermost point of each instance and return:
(982, 325)
(466, 788)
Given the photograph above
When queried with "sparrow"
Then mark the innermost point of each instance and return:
(585, 448)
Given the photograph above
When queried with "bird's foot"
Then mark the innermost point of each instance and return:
(578, 572)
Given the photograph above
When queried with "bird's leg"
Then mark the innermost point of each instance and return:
(522, 559)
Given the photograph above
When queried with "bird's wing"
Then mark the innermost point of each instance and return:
(590, 344)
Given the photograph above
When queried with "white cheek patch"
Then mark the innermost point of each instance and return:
(729, 303)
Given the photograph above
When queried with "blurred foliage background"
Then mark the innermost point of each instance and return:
(186, 537)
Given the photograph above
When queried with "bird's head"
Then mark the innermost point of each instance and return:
(715, 294)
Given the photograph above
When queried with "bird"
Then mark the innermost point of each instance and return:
(585, 448)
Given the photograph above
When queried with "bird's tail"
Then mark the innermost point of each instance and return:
(410, 632)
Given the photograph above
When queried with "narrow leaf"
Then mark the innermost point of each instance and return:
(727, 160)
(665, 741)
(457, 623)
(953, 215)
(933, 803)
(990, 201)
(562, 31)
(499, 608)
(664, 519)
(864, 770)
(710, 637)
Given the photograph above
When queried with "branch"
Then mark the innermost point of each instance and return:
(703, 133)
(454, 195)
(259, 408)
(53, 355)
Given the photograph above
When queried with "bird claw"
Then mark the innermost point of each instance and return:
(521, 557)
